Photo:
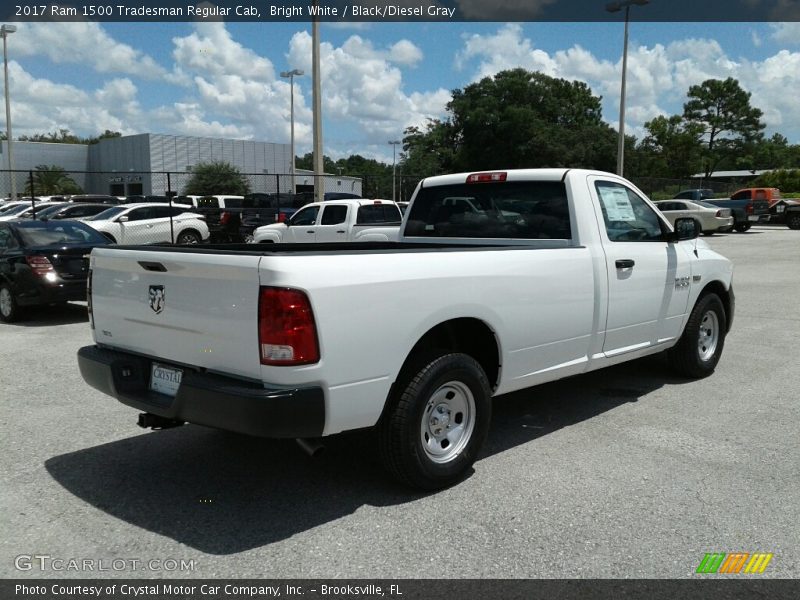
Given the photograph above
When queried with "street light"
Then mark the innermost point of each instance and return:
(616, 7)
(291, 75)
(394, 144)
(4, 31)
(316, 100)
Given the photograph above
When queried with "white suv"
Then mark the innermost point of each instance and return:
(149, 223)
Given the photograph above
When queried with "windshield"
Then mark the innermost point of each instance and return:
(15, 210)
(107, 214)
(61, 233)
(49, 210)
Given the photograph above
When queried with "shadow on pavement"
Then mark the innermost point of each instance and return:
(223, 493)
(58, 314)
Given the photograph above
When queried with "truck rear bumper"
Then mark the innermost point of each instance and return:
(207, 399)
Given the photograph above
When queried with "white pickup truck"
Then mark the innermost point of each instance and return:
(336, 221)
(559, 272)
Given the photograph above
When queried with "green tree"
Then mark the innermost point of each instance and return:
(516, 119)
(429, 151)
(216, 178)
(672, 147)
(727, 120)
(51, 181)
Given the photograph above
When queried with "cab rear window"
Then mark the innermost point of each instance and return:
(515, 209)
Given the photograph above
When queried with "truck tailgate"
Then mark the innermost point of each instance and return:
(199, 310)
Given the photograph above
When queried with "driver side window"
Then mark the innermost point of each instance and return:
(306, 216)
(628, 218)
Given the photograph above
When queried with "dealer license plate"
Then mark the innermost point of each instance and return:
(165, 380)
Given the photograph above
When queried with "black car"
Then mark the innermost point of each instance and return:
(43, 262)
(263, 209)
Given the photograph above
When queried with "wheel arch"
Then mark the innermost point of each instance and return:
(468, 335)
(725, 294)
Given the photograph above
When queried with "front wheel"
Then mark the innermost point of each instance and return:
(793, 220)
(437, 421)
(698, 351)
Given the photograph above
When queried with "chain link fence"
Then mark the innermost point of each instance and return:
(254, 200)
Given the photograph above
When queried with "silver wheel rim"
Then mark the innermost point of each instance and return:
(187, 238)
(5, 302)
(709, 335)
(447, 422)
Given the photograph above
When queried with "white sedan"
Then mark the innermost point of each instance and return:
(149, 223)
(712, 218)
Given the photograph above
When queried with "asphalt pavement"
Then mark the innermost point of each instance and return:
(626, 472)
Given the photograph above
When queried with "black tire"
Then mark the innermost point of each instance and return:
(430, 398)
(708, 233)
(742, 227)
(189, 236)
(793, 220)
(10, 311)
(697, 353)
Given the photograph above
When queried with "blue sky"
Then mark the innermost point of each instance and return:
(222, 80)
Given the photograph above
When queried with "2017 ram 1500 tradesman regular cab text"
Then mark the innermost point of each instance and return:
(552, 273)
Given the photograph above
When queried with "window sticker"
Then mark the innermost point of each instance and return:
(617, 204)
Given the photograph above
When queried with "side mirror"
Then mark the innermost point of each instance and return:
(123, 219)
(686, 228)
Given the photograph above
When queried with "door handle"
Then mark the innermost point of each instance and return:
(340, 231)
(310, 231)
(625, 263)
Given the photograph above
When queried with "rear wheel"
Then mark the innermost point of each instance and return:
(742, 227)
(793, 220)
(188, 237)
(698, 351)
(9, 309)
(437, 421)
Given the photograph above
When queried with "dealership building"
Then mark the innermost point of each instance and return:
(151, 163)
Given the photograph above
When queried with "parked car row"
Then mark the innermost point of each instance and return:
(746, 208)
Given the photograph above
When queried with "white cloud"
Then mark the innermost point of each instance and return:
(658, 77)
(85, 43)
(787, 33)
(363, 87)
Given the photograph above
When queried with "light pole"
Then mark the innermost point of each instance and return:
(316, 95)
(4, 31)
(616, 7)
(291, 75)
(394, 144)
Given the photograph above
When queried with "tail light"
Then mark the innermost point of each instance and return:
(287, 334)
(487, 177)
(280, 217)
(40, 265)
(224, 218)
(749, 208)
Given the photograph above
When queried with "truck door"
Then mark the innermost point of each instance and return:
(302, 226)
(333, 223)
(648, 278)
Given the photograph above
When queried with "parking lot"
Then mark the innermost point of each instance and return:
(627, 472)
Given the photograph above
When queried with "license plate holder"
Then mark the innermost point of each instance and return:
(753, 218)
(164, 379)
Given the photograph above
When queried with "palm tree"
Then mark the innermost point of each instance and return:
(50, 181)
